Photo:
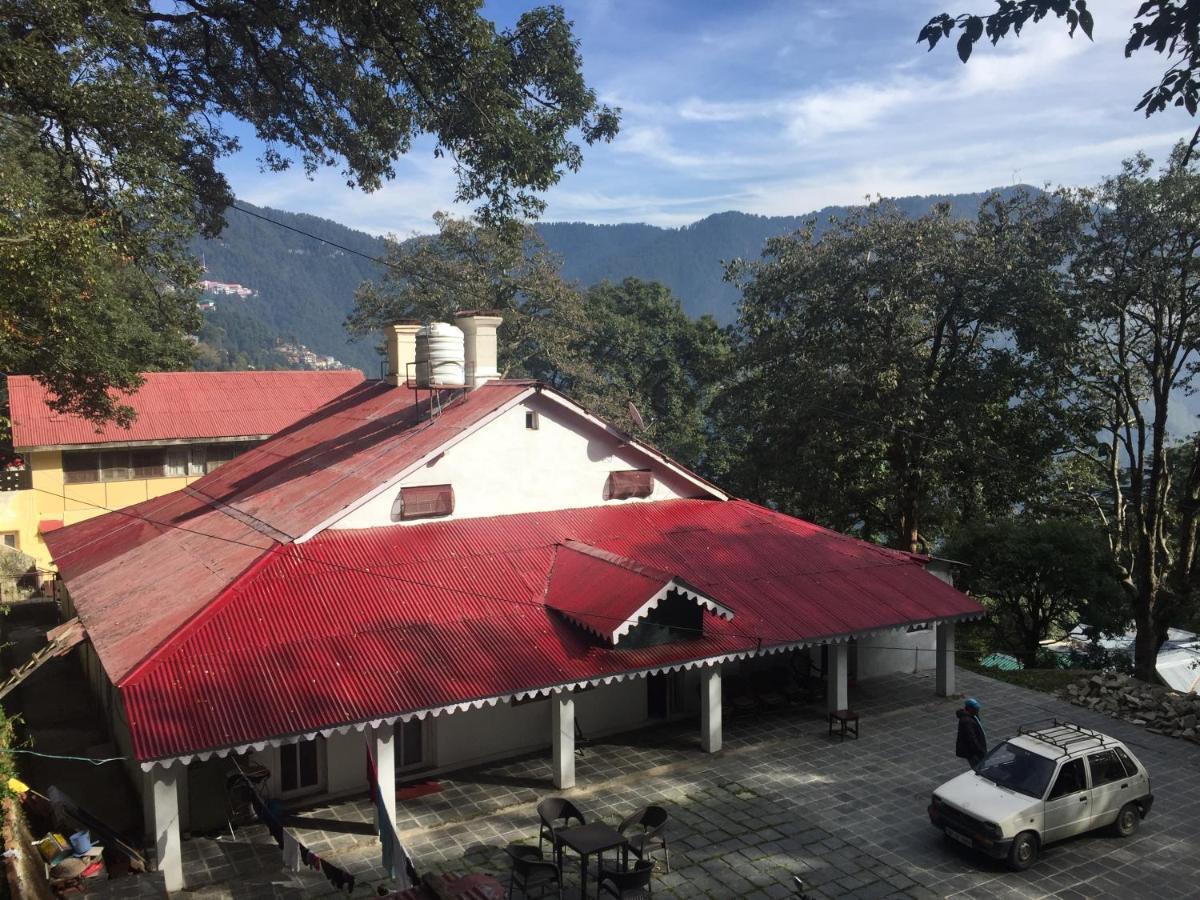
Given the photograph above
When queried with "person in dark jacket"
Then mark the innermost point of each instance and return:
(972, 742)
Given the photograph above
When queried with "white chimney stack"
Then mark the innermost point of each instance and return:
(479, 330)
(402, 351)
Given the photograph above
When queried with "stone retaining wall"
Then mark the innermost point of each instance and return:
(1152, 706)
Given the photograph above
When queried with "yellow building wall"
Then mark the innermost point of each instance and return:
(51, 498)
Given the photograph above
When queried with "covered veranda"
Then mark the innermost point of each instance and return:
(532, 776)
(781, 799)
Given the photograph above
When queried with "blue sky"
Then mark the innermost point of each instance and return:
(784, 107)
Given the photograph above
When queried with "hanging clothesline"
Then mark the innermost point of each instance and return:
(296, 856)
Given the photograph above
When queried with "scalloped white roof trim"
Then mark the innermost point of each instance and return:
(434, 712)
(625, 627)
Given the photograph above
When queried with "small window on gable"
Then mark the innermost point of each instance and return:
(629, 483)
(531, 420)
(424, 502)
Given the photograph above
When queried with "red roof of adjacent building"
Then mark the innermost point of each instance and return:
(151, 566)
(181, 406)
(357, 626)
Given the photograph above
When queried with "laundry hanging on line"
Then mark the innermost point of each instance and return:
(336, 875)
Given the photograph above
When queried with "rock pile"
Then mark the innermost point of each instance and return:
(1159, 709)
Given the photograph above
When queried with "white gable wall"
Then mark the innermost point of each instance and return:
(506, 468)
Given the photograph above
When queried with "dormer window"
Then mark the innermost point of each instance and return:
(423, 502)
(624, 602)
(630, 483)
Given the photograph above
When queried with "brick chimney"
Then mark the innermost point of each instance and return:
(401, 351)
(479, 330)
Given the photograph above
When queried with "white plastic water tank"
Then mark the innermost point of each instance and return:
(440, 356)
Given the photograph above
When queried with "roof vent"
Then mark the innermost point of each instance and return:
(440, 356)
(628, 484)
(423, 502)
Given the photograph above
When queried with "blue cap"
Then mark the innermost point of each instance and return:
(972, 703)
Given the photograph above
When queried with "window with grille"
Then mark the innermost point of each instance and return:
(219, 454)
(630, 483)
(81, 466)
(197, 460)
(177, 462)
(424, 502)
(148, 463)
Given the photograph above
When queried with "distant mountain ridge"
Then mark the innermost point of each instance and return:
(306, 288)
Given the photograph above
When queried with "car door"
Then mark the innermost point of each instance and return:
(1067, 810)
(1112, 787)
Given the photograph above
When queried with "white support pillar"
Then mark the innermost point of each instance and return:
(385, 764)
(837, 677)
(710, 709)
(164, 788)
(945, 659)
(562, 706)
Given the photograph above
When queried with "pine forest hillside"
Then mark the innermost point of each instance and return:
(305, 288)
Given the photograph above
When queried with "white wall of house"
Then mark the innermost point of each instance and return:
(506, 467)
(493, 732)
(890, 652)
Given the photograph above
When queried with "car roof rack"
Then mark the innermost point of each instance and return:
(1066, 736)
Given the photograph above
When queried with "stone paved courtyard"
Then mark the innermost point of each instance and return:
(781, 798)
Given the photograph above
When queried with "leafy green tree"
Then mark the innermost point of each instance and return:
(1137, 274)
(609, 346)
(472, 266)
(900, 373)
(1170, 27)
(1037, 578)
(643, 348)
(76, 307)
(128, 105)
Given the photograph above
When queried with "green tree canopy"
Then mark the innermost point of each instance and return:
(643, 348)
(471, 266)
(608, 346)
(1036, 578)
(123, 109)
(1137, 275)
(900, 373)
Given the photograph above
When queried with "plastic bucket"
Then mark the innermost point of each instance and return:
(81, 842)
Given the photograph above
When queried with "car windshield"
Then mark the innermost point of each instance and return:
(1017, 769)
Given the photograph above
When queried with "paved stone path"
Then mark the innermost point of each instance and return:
(781, 798)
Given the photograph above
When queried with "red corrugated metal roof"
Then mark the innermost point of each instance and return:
(449, 612)
(137, 574)
(181, 406)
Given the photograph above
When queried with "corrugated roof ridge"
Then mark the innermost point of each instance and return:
(615, 559)
(221, 599)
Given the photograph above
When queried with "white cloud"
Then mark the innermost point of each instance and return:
(776, 107)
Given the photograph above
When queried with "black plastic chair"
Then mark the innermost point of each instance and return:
(556, 813)
(530, 871)
(652, 822)
(633, 884)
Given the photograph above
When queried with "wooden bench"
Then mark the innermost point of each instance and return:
(847, 719)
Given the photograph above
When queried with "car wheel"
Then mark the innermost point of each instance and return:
(1127, 820)
(1024, 851)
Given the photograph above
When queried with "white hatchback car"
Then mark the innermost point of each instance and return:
(1048, 783)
